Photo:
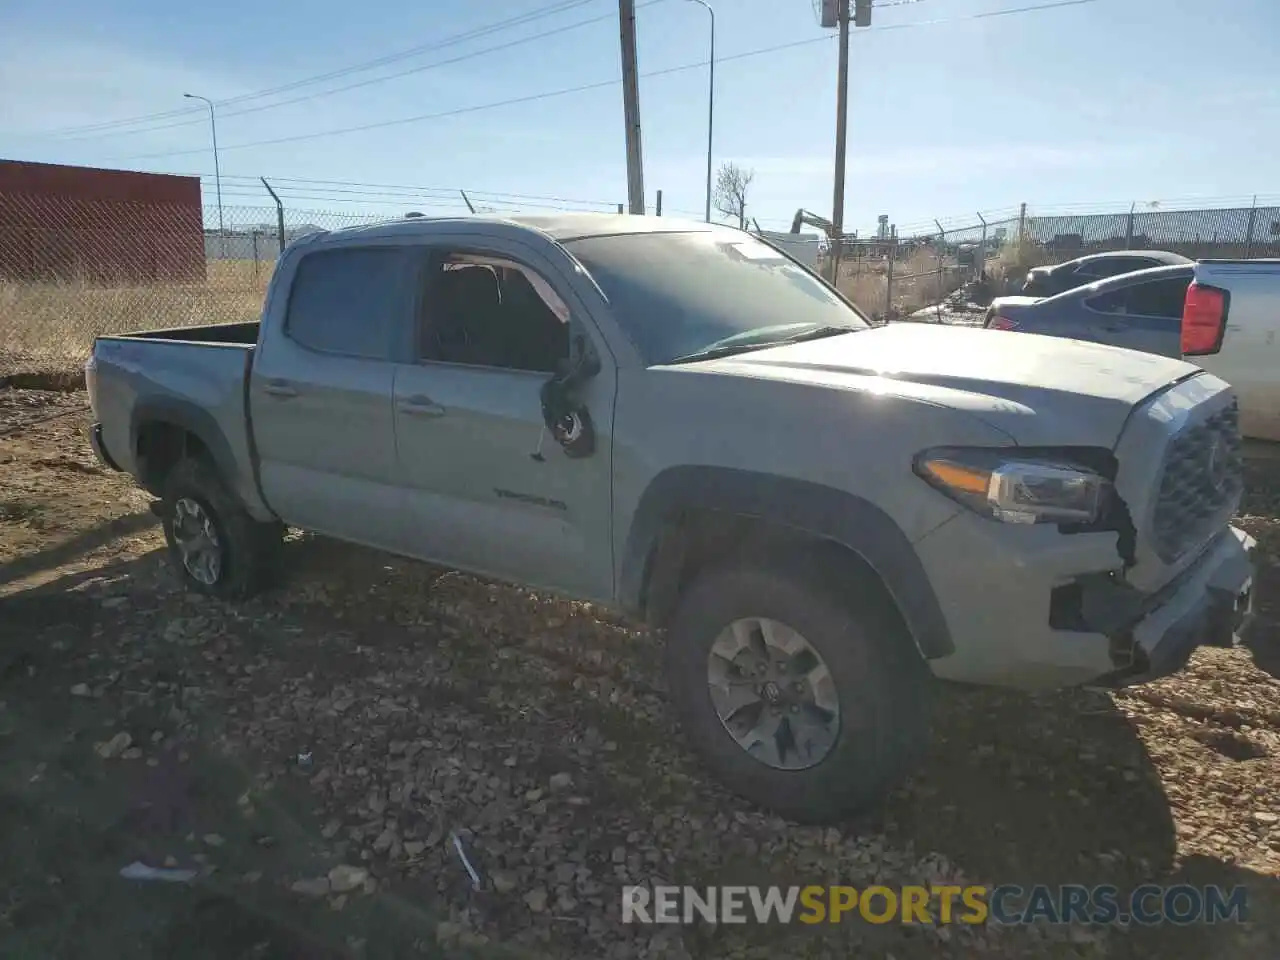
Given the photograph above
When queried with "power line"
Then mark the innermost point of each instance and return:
(540, 13)
(369, 82)
(386, 188)
(599, 85)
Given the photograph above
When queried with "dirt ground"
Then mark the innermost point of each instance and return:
(370, 709)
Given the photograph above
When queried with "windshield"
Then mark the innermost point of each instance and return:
(678, 295)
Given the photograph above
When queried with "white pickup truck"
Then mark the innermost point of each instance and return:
(678, 421)
(1230, 325)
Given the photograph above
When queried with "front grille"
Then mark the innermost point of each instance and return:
(1202, 479)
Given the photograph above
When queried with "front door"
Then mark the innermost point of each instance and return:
(488, 489)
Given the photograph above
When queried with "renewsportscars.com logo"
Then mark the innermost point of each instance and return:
(1149, 904)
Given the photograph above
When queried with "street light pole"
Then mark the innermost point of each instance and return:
(217, 173)
(711, 98)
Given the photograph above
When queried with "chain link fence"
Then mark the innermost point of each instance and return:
(71, 269)
(897, 274)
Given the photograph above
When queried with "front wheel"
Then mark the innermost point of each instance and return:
(216, 547)
(809, 703)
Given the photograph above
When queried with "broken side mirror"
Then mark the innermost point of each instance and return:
(564, 414)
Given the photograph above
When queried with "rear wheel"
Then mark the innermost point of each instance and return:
(809, 702)
(216, 547)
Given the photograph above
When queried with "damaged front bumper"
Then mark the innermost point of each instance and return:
(1209, 605)
(1028, 609)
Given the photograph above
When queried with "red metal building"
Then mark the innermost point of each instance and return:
(81, 224)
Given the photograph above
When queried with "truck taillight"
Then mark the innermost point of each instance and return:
(1204, 320)
(1002, 323)
(91, 382)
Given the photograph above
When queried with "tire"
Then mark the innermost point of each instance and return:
(882, 684)
(248, 551)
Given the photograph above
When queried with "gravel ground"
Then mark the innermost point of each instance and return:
(312, 754)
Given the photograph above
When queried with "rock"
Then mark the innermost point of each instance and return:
(343, 878)
(115, 746)
(503, 882)
(338, 902)
(533, 796)
(1266, 818)
(384, 841)
(81, 690)
(414, 848)
(213, 840)
(312, 887)
(448, 932)
(560, 781)
(536, 899)
(133, 753)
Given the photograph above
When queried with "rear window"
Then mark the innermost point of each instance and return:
(349, 302)
(1155, 298)
(679, 293)
(1162, 298)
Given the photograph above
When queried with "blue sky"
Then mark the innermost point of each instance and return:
(1097, 104)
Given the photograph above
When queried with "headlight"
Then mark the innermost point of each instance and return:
(1003, 486)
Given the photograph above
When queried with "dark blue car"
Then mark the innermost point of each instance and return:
(1140, 310)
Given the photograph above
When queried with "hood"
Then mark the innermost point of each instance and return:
(1040, 391)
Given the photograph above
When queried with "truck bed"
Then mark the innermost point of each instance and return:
(241, 333)
(194, 377)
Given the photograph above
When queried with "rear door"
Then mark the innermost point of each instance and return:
(321, 394)
(1144, 316)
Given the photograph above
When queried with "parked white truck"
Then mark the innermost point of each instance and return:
(676, 420)
(1231, 327)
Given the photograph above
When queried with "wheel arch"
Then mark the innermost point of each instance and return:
(690, 514)
(163, 430)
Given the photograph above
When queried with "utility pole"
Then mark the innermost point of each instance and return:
(842, 123)
(631, 106)
(711, 98)
(835, 13)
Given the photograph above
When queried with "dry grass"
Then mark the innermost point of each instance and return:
(1015, 259)
(57, 322)
(918, 282)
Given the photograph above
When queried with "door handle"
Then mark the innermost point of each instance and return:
(280, 388)
(420, 406)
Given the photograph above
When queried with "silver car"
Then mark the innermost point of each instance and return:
(1140, 310)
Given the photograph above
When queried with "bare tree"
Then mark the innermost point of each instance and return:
(730, 196)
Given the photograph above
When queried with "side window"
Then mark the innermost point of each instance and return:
(348, 301)
(1112, 302)
(1158, 298)
(490, 311)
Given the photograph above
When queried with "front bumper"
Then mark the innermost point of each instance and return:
(100, 449)
(1213, 608)
(996, 585)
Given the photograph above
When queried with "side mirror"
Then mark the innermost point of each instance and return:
(565, 416)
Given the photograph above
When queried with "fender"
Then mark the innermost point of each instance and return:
(816, 509)
(193, 419)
